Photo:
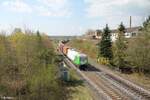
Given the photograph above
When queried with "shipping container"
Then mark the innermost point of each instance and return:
(65, 50)
(61, 45)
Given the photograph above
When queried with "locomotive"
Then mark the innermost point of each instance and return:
(78, 58)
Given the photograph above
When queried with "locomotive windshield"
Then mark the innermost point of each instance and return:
(83, 59)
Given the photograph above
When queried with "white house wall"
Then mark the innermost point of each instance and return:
(114, 36)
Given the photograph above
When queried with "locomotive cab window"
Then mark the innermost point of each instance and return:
(83, 59)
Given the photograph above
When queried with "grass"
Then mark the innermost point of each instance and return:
(77, 89)
(139, 79)
(81, 93)
(85, 46)
(89, 48)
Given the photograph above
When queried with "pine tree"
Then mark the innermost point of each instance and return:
(120, 47)
(105, 44)
(146, 23)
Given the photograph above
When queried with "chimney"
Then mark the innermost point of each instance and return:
(130, 21)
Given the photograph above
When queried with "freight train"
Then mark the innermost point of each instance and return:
(78, 58)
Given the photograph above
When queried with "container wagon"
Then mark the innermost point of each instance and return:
(60, 46)
(65, 50)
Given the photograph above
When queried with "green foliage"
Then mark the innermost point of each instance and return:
(44, 85)
(146, 23)
(103, 61)
(27, 67)
(105, 44)
(119, 48)
(138, 52)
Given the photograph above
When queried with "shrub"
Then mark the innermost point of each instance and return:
(103, 61)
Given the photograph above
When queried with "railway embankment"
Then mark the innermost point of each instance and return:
(89, 47)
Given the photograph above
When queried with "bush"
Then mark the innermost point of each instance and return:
(27, 67)
(138, 52)
(103, 61)
(119, 48)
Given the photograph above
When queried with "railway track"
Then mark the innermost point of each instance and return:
(110, 87)
(106, 87)
(129, 88)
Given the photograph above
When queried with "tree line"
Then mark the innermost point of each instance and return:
(28, 70)
(126, 53)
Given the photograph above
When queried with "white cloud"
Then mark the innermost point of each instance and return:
(57, 4)
(54, 8)
(103, 8)
(113, 12)
(17, 6)
(46, 11)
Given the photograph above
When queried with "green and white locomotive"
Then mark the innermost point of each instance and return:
(79, 59)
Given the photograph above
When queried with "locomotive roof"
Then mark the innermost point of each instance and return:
(83, 55)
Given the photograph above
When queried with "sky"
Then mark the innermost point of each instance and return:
(70, 17)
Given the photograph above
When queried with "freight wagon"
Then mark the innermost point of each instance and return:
(60, 47)
(79, 59)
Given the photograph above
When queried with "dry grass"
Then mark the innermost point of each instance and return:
(89, 47)
(78, 90)
(81, 93)
(85, 46)
(139, 79)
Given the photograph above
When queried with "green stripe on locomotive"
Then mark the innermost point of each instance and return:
(78, 62)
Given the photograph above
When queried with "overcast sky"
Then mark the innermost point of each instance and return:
(71, 17)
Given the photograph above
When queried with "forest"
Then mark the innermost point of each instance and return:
(28, 70)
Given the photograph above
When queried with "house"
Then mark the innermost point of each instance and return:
(130, 32)
(97, 34)
(93, 34)
(89, 34)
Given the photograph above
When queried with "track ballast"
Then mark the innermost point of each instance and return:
(109, 86)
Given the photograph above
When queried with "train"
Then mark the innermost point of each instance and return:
(78, 58)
